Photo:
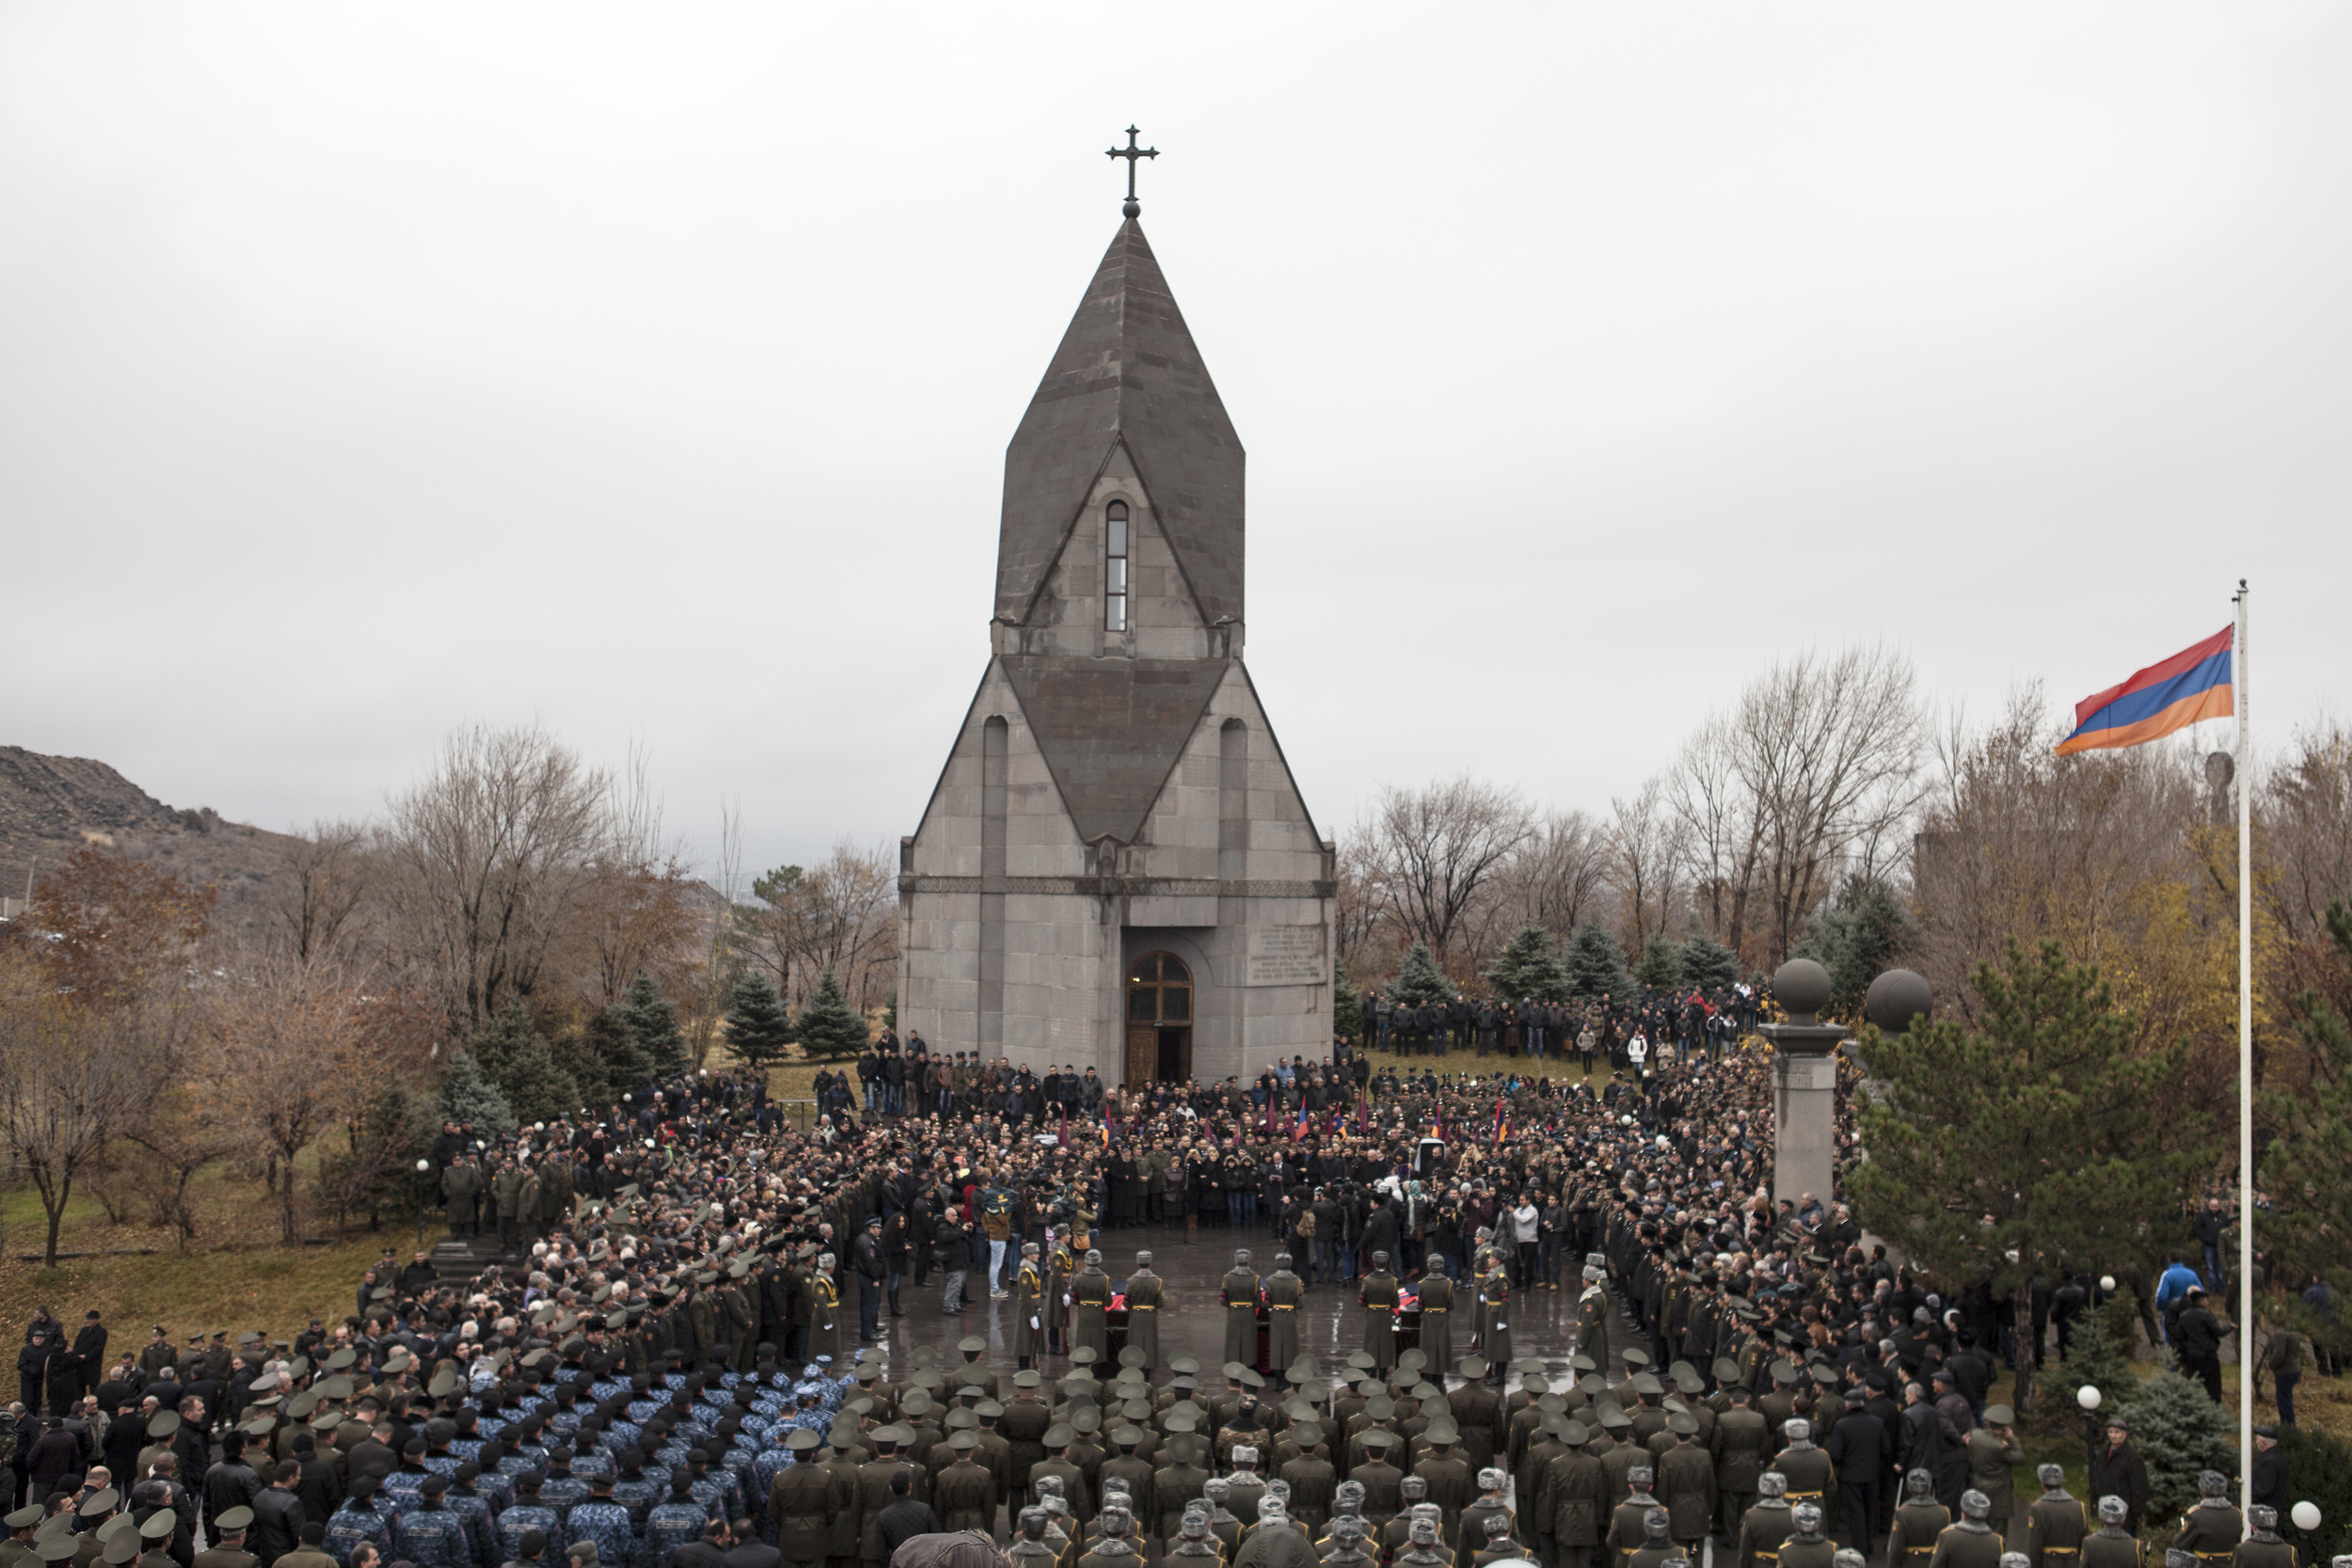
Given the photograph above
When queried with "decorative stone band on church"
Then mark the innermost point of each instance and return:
(1115, 869)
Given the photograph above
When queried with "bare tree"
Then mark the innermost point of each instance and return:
(719, 966)
(2018, 841)
(1439, 850)
(2303, 806)
(1647, 852)
(1721, 828)
(493, 851)
(1812, 772)
(1831, 752)
(174, 1134)
(318, 897)
(1558, 873)
(840, 916)
(1364, 920)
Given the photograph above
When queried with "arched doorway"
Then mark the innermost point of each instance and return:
(1159, 1019)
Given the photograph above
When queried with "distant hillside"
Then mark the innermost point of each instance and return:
(51, 806)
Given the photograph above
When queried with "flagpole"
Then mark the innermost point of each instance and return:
(2245, 1058)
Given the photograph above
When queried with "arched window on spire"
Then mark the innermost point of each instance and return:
(1114, 566)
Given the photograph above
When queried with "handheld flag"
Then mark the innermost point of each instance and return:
(1299, 1130)
(2193, 684)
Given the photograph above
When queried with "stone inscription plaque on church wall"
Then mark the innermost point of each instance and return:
(1285, 956)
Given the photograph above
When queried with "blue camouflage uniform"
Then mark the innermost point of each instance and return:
(468, 1504)
(638, 1494)
(431, 1536)
(607, 1524)
(668, 1525)
(513, 1521)
(356, 1524)
(564, 1494)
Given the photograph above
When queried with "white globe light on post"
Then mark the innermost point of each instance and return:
(424, 1190)
(2106, 1283)
(2089, 1397)
(2306, 1515)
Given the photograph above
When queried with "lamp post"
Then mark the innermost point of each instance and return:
(2089, 1397)
(424, 1194)
(2306, 1518)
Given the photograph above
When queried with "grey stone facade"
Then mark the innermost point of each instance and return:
(1116, 798)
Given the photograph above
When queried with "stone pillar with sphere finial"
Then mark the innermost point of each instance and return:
(1804, 1085)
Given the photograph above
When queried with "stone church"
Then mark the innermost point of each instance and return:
(1115, 869)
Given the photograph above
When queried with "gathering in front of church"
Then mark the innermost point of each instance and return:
(1118, 1254)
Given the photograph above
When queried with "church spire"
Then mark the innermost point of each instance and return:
(1127, 375)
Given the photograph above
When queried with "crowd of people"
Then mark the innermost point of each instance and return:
(687, 1367)
(1624, 1033)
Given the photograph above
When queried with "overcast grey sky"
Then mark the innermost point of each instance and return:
(365, 370)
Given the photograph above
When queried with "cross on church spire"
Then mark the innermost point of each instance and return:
(1130, 152)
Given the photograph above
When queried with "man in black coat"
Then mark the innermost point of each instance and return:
(278, 1517)
(2117, 1470)
(1928, 1439)
(89, 1348)
(64, 1373)
(2197, 1336)
(904, 1517)
(1855, 1450)
(32, 1368)
(2270, 1469)
(230, 1483)
(126, 1434)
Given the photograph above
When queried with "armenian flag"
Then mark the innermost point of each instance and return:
(2193, 684)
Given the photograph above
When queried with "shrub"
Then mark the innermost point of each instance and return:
(2319, 1470)
(2179, 1432)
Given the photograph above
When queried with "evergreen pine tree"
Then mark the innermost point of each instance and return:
(1347, 1005)
(757, 1025)
(578, 1055)
(1418, 980)
(1856, 936)
(608, 1042)
(370, 1167)
(466, 1096)
(653, 1025)
(1595, 965)
(828, 1026)
(1710, 965)
(1660, 968)
(2179, 1432)
(2094, 1358)
(1963, 1142)
(1527, 967)
(2313, 1149)
(521, 1062)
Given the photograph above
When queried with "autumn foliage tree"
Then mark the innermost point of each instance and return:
(94, 1017)
(288, 1049)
